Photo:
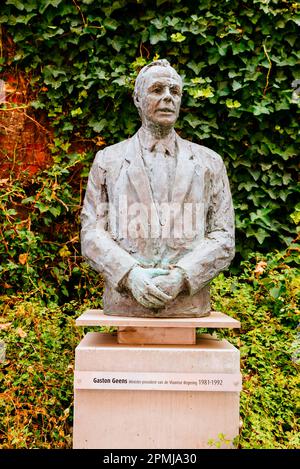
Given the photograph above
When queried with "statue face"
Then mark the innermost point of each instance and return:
(160, 98)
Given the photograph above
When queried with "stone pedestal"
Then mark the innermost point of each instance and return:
(155, 396)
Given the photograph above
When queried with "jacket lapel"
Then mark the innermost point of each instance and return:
(136, 172)
(140, 183)
(139, 180)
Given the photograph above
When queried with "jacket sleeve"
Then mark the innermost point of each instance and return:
(215, 252)
(97, 246)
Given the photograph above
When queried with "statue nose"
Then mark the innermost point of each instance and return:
(167, 95)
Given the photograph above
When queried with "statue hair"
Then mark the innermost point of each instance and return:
(139, 82)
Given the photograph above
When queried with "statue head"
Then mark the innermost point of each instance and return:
(157, 94)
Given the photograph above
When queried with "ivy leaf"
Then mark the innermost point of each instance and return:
(76, 112)
(158, 23)
(178, 37)
(110, 24)
(16, 3)
(46, 3)
(85, 75)
(56, 211)
(236, 85)
(261, 235)
(192, 120)
(275, 292)
(232, 104)
(196, 67)
(98, 126)
(42, 207)
(157, 36)
(259, 109)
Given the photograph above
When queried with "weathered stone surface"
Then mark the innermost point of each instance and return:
(157, 219)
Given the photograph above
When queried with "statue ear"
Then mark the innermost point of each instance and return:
(136, 100)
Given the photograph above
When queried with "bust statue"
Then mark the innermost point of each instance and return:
(157, 218)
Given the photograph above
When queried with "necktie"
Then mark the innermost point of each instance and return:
(160, 183)
(160, 180)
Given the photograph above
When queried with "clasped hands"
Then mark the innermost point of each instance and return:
(154, 288)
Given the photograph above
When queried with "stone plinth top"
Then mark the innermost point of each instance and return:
(96, 317)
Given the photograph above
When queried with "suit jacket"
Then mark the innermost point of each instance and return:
(116, 217)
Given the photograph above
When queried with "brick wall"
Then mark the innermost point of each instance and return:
(23, 138)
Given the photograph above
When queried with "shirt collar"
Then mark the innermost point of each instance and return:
(149, 142)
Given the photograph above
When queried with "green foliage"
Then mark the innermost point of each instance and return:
(40, 252)
(36, 379)
(238, 61)
(266, 301)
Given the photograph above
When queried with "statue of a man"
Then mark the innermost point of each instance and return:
(157, 220)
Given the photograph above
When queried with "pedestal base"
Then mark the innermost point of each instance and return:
(156, 335)
(148, 410)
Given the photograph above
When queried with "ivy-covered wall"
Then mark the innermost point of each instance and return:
(80, 58)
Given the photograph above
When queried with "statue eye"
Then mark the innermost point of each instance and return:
(175, 90)
(157, 89)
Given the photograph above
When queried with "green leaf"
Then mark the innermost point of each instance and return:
(275, 292)
(46, 3)
(67, 126)
(236, 85)
(192, 120)
(76, 112)
(56, 211)
(98, 126)
(232, 104)
(177, 37)
(261, 235)
(16, 3)
(207, 92)
(157, 36)
(196, 67)
(110, 24)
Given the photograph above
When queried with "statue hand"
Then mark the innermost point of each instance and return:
(171, 284)
(140, 282)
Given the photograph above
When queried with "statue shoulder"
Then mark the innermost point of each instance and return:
(112, 154)
(207, 156)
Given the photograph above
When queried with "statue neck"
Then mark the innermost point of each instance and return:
(157, 132)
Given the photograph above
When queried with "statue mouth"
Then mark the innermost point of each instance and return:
(166, 110)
